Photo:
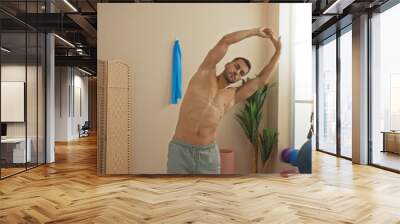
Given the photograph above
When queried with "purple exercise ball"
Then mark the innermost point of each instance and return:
(285, 154)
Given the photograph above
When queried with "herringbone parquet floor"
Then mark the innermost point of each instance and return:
(70, 192)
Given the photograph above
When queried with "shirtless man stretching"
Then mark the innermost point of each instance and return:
(193, 149)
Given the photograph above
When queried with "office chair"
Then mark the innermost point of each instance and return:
(84, 130)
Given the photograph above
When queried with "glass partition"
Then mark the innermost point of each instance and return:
(22, 88)
(31, 100)
(13, 104)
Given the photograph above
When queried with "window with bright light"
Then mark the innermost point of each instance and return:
(346, 94)
(302, 72)
(394, 101)
(385, 84)
(327, 96)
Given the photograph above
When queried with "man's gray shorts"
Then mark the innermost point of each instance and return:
(184, 158)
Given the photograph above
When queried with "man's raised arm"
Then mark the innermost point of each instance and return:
(216, 54)
(253, 85)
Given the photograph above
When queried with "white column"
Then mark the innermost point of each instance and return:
(50, 100)
(50, 92)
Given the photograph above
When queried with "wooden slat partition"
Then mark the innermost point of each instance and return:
(114, 123)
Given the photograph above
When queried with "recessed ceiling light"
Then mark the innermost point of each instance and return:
(337, 7)
(64, 40)
(5, 50)
(70, 5)
(84, 71)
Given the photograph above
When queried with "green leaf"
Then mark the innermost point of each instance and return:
(268, 139)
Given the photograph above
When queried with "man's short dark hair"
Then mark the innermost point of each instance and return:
(245, 61)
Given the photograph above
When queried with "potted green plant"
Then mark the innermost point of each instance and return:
(268, 139)
(249, 119)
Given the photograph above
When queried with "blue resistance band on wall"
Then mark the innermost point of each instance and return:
(176, 93)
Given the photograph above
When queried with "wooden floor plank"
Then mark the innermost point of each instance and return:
(69, 191)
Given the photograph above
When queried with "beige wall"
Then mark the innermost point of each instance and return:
(142, 35)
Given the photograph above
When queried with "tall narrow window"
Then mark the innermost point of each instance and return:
(385, 89)
(346, 94)
(327, 96)
(303, 84)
